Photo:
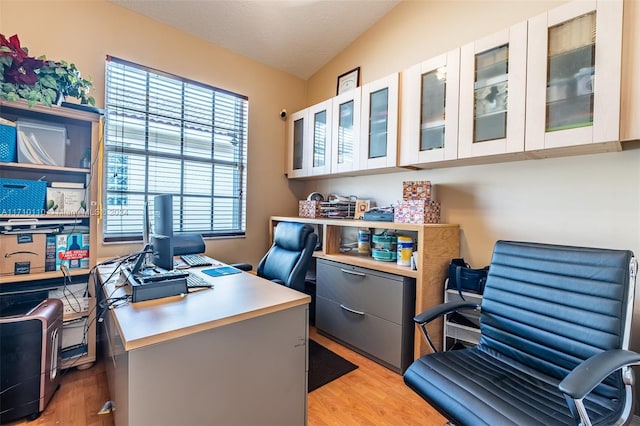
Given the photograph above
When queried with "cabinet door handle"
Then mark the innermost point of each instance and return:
(353, 311)
(360, 274)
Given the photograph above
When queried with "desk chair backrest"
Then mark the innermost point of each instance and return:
(551, 307)
(288, 258)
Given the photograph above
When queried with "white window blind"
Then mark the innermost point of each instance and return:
(168, 135)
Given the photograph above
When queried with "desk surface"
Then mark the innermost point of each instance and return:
(233, 298)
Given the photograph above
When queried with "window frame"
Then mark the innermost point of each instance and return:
(237, 166)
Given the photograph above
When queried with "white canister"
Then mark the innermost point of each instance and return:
(364, 241)
(405, 250)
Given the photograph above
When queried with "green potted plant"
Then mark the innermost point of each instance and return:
(38, 80)
(66, 79)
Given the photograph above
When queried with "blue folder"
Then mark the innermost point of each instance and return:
(222, 270)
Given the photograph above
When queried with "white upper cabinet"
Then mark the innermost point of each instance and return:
(379, 125)
(492, 94)
(430, 93)
(320, 117)
(298, 152)
(345, 147)
(574, 75)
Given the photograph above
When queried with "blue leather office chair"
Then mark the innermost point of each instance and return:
(288, 259)
(555, 324)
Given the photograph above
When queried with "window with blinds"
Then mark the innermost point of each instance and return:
(168, 135)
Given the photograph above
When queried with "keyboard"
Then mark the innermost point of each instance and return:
(194, 281)
(196, 260)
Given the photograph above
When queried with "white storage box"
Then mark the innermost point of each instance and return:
(73, 332)
(41, 143)
(68, 201)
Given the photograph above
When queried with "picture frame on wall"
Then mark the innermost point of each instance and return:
(348, 81)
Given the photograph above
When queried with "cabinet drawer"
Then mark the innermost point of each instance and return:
(376, 293)
(380, 338)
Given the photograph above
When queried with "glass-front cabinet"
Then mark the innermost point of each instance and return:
(319, 131)
(297, 146)
(345, 138)
(492, 94)
(430, 93)
(379, 126)
(573, 81)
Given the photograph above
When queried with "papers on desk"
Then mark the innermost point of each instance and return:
(222, 270)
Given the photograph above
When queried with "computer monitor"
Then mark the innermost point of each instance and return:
(163, 215)
(146, 225)
(178, 244)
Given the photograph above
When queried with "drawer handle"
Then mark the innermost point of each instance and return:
(360, 274)
(353, 311)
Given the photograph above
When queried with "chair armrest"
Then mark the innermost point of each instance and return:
(586, 376)
(442, 309)
(242, 266)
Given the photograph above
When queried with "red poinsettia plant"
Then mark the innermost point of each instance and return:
(38, 80)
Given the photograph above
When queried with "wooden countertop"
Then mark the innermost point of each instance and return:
(234, 298)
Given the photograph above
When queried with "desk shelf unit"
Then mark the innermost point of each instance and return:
(82, 133)
(436, 243)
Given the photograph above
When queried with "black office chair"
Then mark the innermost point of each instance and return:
(288, 259)
(555, 324)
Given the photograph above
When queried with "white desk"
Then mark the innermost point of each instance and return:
(232, 355)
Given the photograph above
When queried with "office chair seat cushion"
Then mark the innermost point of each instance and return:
(497, 391)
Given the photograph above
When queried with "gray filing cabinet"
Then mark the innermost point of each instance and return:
(465, 330)
(367, 310)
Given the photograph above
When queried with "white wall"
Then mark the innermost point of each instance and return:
(591, 200)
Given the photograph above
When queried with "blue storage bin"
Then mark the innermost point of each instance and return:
(22, 197)
(7, 143)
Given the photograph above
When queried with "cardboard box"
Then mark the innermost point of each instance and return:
(308, 208)
(416, 190)
(66, 201)
(417, 211)
(72, 250)
(22, 254)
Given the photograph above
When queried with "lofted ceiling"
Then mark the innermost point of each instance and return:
(295, 36)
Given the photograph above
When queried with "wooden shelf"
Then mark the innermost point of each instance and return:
(41, 275)
(28, 166)
(55, 110)
(437, 244)
(83, 134)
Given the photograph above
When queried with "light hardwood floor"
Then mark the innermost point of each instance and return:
(369, 395)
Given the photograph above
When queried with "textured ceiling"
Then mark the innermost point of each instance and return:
(295, 36)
